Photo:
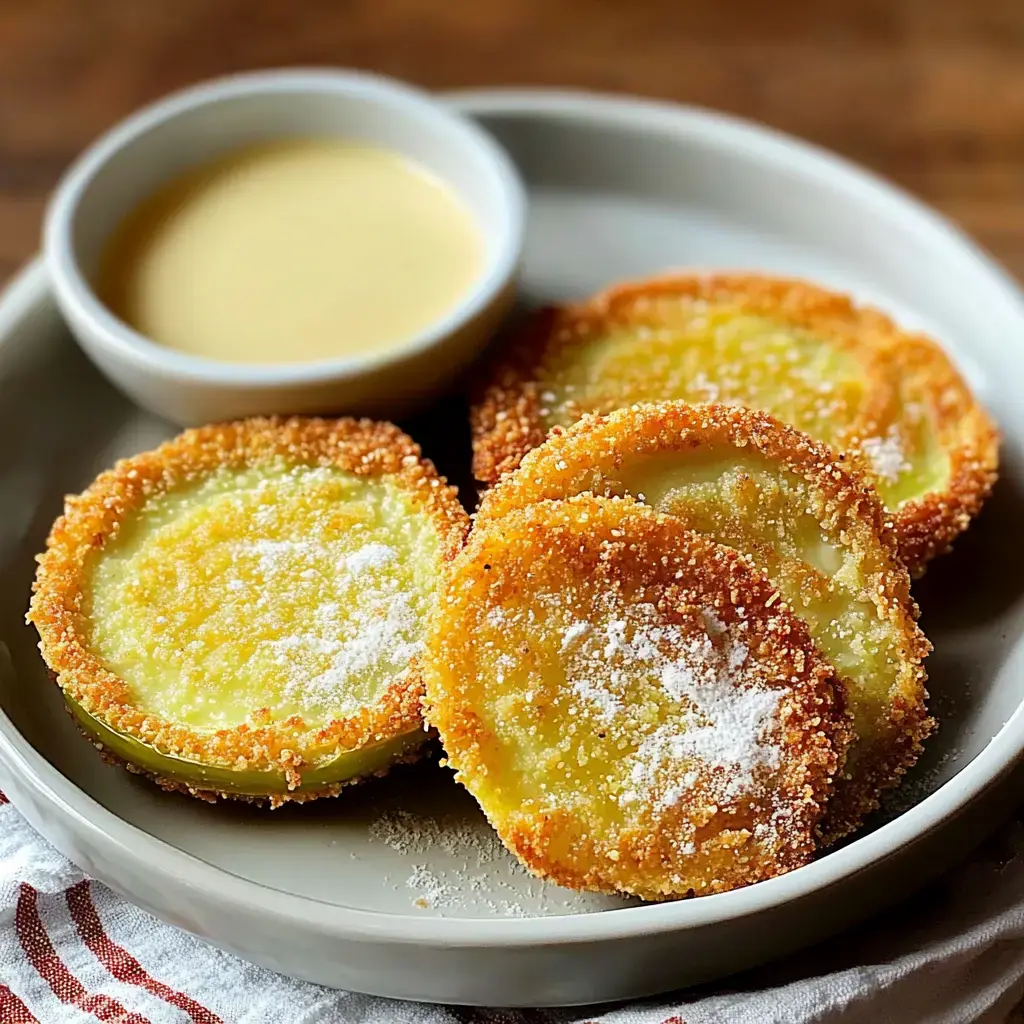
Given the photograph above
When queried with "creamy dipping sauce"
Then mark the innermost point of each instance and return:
(292, 251)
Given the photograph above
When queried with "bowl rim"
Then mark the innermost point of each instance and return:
(220, 887)
(121, 341)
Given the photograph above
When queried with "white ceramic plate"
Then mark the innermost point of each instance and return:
(399, 888)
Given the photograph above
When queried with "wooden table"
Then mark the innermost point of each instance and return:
(928, 92)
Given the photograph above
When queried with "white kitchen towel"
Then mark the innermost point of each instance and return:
(71, 952)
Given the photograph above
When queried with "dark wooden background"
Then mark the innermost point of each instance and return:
(928, 92)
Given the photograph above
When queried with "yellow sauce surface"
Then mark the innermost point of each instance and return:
(292, 251)
(303, 591)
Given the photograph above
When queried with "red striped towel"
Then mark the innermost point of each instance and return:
(71, 952)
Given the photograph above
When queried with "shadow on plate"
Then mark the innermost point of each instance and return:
(982, 578)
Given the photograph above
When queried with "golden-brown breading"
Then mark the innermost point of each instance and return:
(634, 707)
(795, 510)
(844, 374)
(244, 524)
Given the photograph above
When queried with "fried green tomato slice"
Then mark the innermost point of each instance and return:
(634, 708)
(791, 507)
(242, 611)
(846, 375)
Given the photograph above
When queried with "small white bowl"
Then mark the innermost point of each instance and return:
(199, 124)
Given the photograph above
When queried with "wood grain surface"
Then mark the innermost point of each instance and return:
(927, 92)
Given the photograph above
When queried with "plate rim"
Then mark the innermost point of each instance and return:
(27, 291)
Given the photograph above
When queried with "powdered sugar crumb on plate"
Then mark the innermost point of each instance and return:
(454, 864)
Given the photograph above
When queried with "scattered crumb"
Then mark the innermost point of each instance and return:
(479, 873)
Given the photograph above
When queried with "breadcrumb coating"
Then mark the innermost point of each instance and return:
(633, 706)
(844, 374)
(797, 511)
(280, 760)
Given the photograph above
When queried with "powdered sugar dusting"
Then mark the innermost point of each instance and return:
(382, 640)
(605, 704)
(329, 662)
(575, 632)
(729, 726)
(369, 556)
(433, 891)
(725, 732)
(886, 455)
(275, 556)
(453, 864)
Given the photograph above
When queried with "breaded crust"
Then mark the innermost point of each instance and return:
(761, 516)
(632, 705)
(907, 381)
(211, 796)
(91, 519)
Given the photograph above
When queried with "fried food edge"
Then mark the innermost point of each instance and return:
(506, 419)
(816, 725)
(582, 448)
(362, 447)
